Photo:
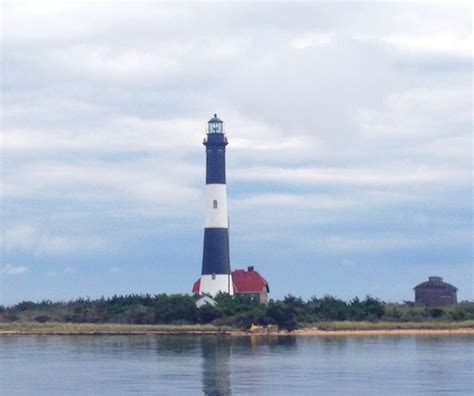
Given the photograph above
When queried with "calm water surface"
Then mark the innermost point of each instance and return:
(170, 365)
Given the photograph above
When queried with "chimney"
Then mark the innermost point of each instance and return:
(250, 269)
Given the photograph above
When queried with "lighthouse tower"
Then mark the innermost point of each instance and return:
(215, 274)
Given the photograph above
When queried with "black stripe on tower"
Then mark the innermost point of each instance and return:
(215, 158)
(215, 258)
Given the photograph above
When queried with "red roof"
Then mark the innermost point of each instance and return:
(197, 286)
(249, 281)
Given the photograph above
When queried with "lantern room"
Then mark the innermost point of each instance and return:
(215, 125)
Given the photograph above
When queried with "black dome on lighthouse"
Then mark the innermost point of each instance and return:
(215, 120)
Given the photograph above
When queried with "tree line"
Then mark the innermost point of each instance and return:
(289, 313)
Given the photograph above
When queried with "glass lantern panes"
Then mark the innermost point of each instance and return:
(215, 125)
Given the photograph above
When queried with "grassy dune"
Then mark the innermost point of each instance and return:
(105, 328)
(432, 325)
(317, 328)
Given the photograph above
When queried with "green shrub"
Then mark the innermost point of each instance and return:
(25, 305)
(42, 318)
(328, 308)
(207, 313)
(288, 313)
(436, 313)
(282, 314)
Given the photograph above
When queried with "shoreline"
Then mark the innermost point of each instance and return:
(383, 332)
(297, 333)
(90, 329)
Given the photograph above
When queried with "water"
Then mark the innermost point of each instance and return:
(175, 365)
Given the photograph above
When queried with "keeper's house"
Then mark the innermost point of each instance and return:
(435, 293)
(248, 284)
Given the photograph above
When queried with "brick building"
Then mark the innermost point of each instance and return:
(435, 293)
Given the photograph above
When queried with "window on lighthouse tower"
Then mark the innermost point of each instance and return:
(214, 204)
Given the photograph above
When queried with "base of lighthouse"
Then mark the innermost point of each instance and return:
(214, 284)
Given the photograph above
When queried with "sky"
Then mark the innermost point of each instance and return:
(349, 164)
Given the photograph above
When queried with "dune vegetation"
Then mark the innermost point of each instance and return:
(178, 313)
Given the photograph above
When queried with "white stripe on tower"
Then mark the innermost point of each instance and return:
(213, 284)
(216, 206)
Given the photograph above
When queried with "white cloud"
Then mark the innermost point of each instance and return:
(323, 201)
(121, 134)
(433, 44)
(162, 188)
(311, 40)
(14, 270)
(419, 113)
(112, 63)
(396, 175)
(21, 236)
(378, 243)
(25, 237)
(449, 147)
(64, 21)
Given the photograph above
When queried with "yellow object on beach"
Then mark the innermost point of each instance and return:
(253, 327)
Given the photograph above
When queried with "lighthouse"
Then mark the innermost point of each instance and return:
(215, 274)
